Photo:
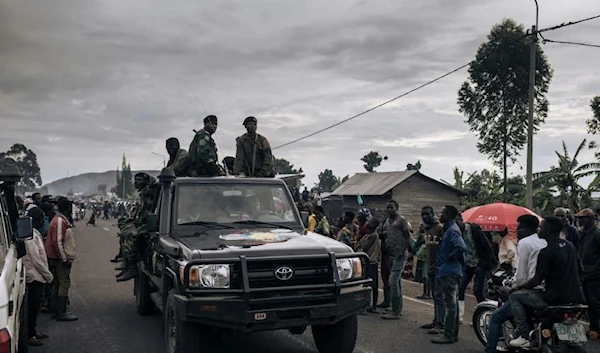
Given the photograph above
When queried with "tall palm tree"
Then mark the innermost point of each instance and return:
(565, 177)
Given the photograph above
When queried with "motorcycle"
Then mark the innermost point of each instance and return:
(555, 329)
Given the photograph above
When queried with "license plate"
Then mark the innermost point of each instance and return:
(570, 333)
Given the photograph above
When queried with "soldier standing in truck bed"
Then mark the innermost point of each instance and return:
(203, 151)
(253, 157)
(179, 159)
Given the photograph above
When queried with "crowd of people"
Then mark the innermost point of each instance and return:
(544, 259)
(50, 254)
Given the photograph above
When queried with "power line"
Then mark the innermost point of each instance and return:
(420, 87)
(566, 24)
(373, 108)
(573, 43)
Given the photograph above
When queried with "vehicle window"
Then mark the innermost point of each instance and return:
(226, 203)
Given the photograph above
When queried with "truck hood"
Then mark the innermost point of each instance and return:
(257, 242)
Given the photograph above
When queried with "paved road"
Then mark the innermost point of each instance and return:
(108, 322)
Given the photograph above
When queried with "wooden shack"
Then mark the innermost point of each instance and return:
(411, 189)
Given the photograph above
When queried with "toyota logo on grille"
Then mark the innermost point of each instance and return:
(284, 273)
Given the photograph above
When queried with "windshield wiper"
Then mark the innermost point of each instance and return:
(263, 223)
(206, 224)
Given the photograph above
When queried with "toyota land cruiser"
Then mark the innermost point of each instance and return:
(229, 255)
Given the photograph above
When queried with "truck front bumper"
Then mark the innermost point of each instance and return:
(278, 312)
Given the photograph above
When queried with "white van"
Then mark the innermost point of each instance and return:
(13, 300)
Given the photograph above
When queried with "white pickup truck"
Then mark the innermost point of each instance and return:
(13, 299)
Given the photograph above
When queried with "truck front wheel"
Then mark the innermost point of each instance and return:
(336, 338)
(180, 336)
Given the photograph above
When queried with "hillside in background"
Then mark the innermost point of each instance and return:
(87, 183)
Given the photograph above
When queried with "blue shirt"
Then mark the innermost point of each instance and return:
(450, 257)
(45, 226)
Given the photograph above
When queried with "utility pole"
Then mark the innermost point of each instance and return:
(529, 175)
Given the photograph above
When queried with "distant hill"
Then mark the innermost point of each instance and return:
(87, 183)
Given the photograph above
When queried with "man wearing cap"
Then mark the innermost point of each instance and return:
(589, 252)
(253, 157)
(179, 160)
(203, 151)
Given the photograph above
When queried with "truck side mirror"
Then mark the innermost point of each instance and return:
(304, 216)
(24, 228)
(152, 222)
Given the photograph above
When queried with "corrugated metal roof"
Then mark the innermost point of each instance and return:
(373, 184)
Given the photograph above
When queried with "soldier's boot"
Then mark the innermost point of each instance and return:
(125, 264)
(120, 267)
(386, 303)
(130, 272)
(61, 310)
(117, 258)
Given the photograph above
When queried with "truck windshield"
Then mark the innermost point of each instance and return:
(227, 203)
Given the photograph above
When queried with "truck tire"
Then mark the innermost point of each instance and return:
(23, 344)
(180, 336)
(336, 338)
(143, 302)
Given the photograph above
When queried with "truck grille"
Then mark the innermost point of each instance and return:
(305, 272)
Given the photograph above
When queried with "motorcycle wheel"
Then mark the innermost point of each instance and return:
(481, 321)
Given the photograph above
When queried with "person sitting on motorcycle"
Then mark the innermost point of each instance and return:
(528, 248)
(558, 266)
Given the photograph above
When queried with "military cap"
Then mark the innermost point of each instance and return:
(142, 175)
(210, 118)
(250, 119)
(173, 140)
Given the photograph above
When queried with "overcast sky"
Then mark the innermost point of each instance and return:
(82, 82)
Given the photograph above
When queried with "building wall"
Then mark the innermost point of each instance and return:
(418, 191)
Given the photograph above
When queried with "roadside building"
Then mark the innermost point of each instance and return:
(411, 189)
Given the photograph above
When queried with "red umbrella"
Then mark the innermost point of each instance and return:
(494, 217)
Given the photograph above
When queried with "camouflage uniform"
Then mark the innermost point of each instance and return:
(253, 157)
(180, 164)
(138, 225)
(203, 156)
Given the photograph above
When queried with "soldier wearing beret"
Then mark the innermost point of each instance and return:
(253, 156)
(203, 151)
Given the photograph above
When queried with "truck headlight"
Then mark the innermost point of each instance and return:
(209, 276)
(350, 268)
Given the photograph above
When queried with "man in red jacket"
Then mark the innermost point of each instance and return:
(60, 249)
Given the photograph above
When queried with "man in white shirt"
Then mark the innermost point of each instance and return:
(37, 275)
(528, 248)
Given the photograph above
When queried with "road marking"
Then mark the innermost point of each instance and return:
(106, 229)
(413, 300)
(413, 282)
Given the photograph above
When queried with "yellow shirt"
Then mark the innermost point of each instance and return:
(312, 223)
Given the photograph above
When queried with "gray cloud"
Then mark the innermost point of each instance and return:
(82, 82)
